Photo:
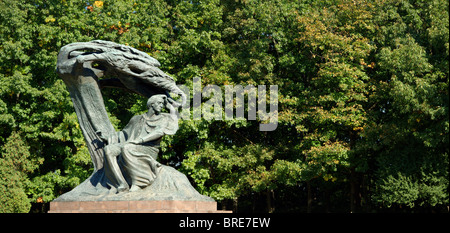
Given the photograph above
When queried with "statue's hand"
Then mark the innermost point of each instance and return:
(100, 135)
(134, 142)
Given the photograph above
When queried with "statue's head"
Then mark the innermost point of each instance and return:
(157, 103)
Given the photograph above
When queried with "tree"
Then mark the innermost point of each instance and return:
(407, 140)
(15, 164)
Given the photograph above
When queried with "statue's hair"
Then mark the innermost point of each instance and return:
(153, 98)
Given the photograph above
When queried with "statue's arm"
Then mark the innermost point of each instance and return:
(169, 106)
(116, 137)
(119, 136)
(157, 134)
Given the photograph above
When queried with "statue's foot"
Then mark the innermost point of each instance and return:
(112, 191)
(134, 188)
(122, 189)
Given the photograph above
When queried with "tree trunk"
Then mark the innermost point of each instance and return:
(235, 205)
(326, 197)
(355, 198)
(308, 187)
(352, 196)
(223, 204)
(270, 206)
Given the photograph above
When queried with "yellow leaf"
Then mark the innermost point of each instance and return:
(98, 4)
(362, 62)
(50, 19)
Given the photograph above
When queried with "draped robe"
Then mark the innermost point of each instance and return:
(137, 162)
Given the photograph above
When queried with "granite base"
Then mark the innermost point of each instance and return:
(157, 206)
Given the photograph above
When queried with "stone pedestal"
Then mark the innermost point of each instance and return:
(163, 206)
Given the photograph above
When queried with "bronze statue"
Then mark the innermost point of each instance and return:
(125, 162)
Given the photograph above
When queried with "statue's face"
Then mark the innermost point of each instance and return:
(158, 105)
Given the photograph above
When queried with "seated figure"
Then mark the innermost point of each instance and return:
(130, 154)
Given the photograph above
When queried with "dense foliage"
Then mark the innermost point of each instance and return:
(363, 99)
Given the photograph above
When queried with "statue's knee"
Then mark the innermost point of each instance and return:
(126, 147)
(111, 151)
